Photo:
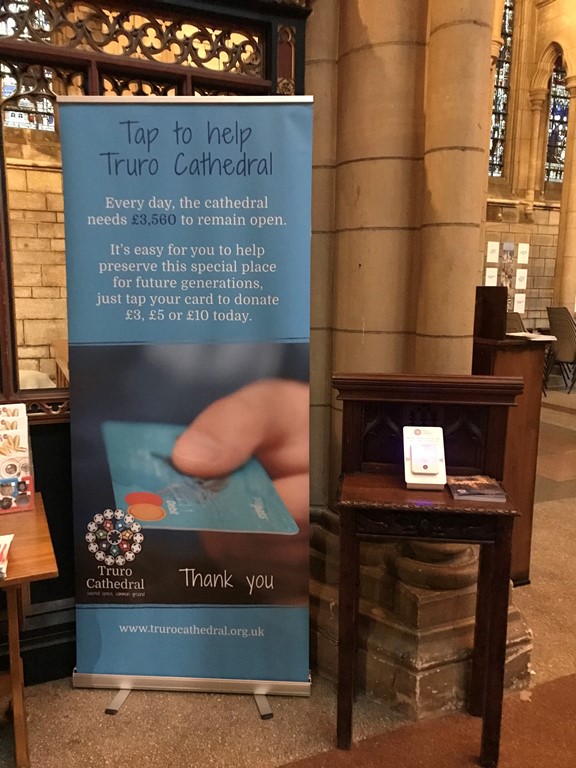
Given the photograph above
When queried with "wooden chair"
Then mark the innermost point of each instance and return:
(562, 326)
(514, 323)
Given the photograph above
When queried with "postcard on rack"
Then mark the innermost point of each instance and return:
(13, 409)
(520, 303)
(16, 473)
(523, 253)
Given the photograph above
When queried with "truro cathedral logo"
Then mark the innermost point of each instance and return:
(114, 538)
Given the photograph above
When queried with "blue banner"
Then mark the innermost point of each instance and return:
(188, 240)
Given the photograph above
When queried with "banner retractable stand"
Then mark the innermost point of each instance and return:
(188, 240)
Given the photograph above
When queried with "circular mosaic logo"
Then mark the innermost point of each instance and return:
(113, 537)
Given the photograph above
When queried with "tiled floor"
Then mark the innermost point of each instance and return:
(556, 470)
(549, 601)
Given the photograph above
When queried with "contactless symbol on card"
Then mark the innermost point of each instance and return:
(114, 537)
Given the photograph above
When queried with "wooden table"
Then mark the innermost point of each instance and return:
(518, 357)
(379, 507)
(31, 558)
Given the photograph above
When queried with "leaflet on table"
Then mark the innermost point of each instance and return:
(532, 336)
(5, 541)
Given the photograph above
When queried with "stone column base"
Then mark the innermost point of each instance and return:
(416, 656)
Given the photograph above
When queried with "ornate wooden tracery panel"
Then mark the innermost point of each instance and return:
(121, 49)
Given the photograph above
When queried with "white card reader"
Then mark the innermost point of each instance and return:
(424, 464)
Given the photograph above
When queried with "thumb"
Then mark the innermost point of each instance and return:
(251, 421)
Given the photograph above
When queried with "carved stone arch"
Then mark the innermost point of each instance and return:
(545, 66)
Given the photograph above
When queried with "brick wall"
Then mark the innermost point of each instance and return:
(34, 182)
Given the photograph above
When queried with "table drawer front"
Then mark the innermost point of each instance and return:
(474, 528)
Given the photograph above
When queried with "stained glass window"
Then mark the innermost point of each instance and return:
(557, 124)
(501, 92)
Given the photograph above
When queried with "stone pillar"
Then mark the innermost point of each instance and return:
(565, 277)
(378, 185)
(321, 83)
(538, 98)
(455, 167)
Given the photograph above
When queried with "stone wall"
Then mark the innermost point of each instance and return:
(507, 223)
(34, 182)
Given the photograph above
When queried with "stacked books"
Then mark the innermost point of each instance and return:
(5, 542)
(475, 488)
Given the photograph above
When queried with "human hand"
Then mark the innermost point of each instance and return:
(268, 419)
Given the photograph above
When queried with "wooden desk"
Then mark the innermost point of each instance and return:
(31, 558)
(379, 507)
(518, 357)
(374, 503)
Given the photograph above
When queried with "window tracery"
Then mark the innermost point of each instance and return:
(119, 31)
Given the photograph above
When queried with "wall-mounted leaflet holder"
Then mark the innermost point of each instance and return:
(424, 463)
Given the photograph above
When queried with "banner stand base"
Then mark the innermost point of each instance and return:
(264, 707)
(117, 701)
(129, 683)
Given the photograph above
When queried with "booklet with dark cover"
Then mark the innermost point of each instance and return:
(475, 488)
(5, 542)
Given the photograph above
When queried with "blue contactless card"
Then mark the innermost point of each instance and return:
(148, 486)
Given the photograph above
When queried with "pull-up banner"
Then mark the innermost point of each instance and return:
(188, 238)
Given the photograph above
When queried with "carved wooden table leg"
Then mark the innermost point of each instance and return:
(481, 631)
(347, 620)
(494, 684)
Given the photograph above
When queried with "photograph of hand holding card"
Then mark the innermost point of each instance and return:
(240, 467)
(217, 474)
